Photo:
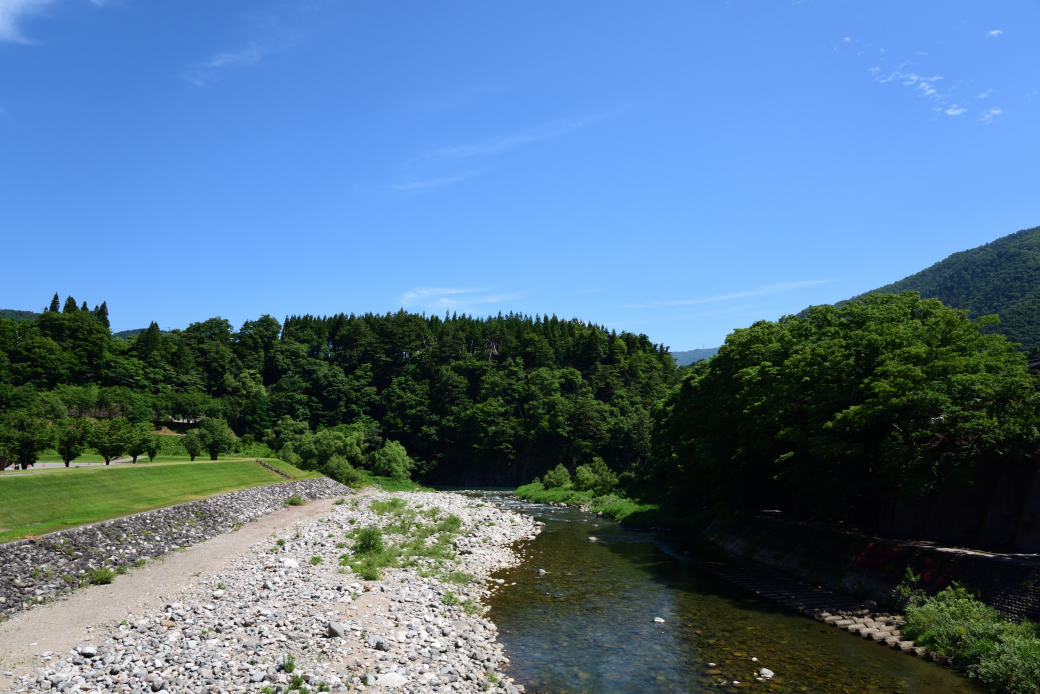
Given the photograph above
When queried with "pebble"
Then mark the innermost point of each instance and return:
(658, 620)
(400, 635)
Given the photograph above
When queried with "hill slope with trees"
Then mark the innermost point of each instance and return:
(472, 400)
(1001, 278)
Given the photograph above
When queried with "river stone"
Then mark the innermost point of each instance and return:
(336, 630)
(658, 620)
(766, 672)
(391, 679)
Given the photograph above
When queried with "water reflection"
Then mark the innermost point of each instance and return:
(587, 625)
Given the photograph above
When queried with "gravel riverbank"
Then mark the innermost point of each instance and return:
(288, 616)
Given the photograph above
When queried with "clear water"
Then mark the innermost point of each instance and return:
(587, 624)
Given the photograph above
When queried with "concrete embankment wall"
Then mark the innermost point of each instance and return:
(870, 567)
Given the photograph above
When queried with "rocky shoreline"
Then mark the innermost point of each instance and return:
(288, 615)
(38, 570)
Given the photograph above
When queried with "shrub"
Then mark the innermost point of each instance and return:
(369, 541)
(314, 561)
(992, 648)
(392, 461)
(595, 477)
(294, 500)
(557, 478)
(343, 472)
(289, 663)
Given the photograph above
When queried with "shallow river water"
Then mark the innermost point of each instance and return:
(586, 625)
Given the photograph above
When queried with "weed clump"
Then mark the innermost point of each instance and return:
(294, 500)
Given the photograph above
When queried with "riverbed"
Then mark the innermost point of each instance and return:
(587, 623)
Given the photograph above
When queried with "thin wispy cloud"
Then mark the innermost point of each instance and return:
(989, 115)
(955, 110)
(12, 12)
(262, 33)
(547, 131)
(994, 33)
(451, 298)
(984, 94)
(446, 165)
(415, 186)
(759, 291)
(217, 65)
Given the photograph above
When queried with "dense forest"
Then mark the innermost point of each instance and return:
(1000, 278)
(479, 400)
(888, 396)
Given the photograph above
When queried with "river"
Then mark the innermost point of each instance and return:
(587, 624)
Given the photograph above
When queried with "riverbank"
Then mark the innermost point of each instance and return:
(287, 613)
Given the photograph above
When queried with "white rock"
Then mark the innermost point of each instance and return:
(391, 679)
(290, 563)
(766, 672)
(658, 620)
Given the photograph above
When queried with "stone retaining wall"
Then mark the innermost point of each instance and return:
(871, 567)
(39, 569)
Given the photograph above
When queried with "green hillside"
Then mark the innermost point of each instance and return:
(1001, 277)
(13, 314)
(692, 356)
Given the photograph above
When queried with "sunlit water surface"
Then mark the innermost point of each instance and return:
(587, 624)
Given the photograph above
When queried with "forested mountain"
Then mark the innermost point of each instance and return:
(692, 356)
(496, 399)
(1001, 277)
(12, 314)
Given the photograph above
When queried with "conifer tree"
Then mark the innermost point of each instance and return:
(84, 307)
(102, 314)
(55, 304)
(70, 305)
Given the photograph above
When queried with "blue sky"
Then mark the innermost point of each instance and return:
(678, 169)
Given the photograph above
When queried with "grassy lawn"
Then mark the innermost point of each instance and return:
(58, 499)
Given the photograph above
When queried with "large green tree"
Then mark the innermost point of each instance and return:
(885, 397)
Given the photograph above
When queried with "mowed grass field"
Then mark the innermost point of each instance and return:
(35, 504)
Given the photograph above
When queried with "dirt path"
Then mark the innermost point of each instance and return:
(62, 624)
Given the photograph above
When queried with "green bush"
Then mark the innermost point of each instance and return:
(991, 647)
(343, 472)
(294, 500)
(369, 541)
(392, 461)
(596, 477)
(557, 478)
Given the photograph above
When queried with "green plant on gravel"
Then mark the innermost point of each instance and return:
(459, 577)
(139, 563)
(391, 505)
(981, 640)
(471, 607)
(450, 599)
(323, 687)
(289, 663)
(314, 561)
(339, 502)
(266, 690)
(492, 677)
(296, 683)
(101, 576)
(294, 500)
(280, 543)
(368, 541)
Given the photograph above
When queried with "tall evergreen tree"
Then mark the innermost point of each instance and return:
(84, 307)
(55, 304)
(70, 305)
(102, 314)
